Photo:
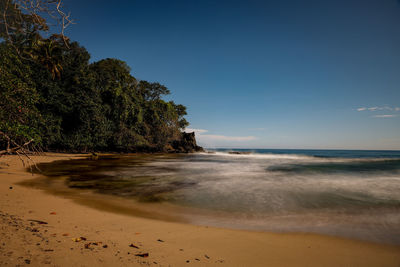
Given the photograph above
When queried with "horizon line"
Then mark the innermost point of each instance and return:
(344, 149)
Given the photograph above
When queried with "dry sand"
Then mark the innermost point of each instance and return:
(108, 236)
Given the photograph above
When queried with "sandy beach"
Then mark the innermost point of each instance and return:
(40, 229)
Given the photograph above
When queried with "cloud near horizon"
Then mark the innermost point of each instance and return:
(202, 137)
(385, 116)
(197, 131)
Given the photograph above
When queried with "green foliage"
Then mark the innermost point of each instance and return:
(19, 116)
(86, 107)
(50, 92)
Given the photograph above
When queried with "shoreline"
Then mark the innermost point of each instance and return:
(167, 212)
(168, 243)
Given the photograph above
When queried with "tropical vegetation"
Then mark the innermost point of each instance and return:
(54, 97)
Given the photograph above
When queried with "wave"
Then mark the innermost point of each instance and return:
(258, 155)
(353, 166)
(303, 157)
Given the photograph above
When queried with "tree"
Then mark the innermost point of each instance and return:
(121, 102)
(52, 96)
(21, 21)
(19, 117)
(152, 91)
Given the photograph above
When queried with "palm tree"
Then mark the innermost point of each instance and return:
(48, 53)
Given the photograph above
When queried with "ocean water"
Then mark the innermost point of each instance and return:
(345, 193)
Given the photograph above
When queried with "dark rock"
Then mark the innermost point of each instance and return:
(94, 156)
(239, 153)
(186, 144)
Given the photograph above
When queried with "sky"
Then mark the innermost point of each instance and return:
(261, 74)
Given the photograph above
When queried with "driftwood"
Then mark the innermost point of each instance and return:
(22, 151)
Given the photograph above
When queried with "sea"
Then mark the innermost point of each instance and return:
(346, 193)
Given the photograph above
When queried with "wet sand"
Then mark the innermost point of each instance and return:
(25, 240)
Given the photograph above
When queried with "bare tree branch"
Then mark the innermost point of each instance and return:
(19, 150)
(19, 16)
(16, 148)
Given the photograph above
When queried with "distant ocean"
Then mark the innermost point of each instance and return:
(349, 193)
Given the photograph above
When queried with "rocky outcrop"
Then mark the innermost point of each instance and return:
(186, 144)
(239, 152)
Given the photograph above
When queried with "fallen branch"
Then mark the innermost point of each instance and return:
(19, 150)
(15, 149)
(37, 221)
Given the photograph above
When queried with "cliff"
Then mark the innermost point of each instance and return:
(186, 144)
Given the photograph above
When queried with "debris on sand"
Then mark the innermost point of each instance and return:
(143, 255)
(38, 221)
(79, 239)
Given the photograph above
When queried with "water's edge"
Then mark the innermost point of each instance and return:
(149, 205)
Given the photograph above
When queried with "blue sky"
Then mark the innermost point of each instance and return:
(262, 74)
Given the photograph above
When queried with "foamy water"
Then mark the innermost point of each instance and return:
(356, 195)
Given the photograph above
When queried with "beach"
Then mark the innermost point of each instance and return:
(39, 229)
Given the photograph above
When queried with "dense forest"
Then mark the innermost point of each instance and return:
(54, 98)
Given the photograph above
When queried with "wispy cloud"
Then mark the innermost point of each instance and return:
(385, 116)
(202, 136)
(381, 108)
(197, 131)
(226, 138)
(378, 108)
